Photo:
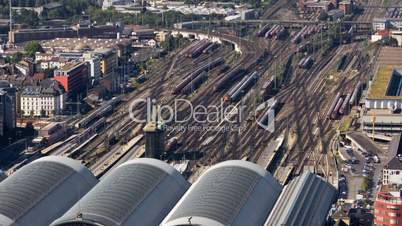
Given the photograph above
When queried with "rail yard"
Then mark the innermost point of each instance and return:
(280, 91)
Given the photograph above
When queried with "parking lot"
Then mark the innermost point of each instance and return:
(360, 172)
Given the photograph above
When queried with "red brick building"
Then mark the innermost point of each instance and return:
(388, 209)
(73, 77)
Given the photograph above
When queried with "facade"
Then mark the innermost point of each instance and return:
(47, 99)
(43, 56)
(53, 132)
(392, 171)
(387, 23)
(24, 35)
(346, 6)
(384, 99)
(138, 192)
(154, 140)
(108, 66)
(94, 65)
(379, 24)
(43, 190)
(73, 77)
(306, 200)
(235, 193)
(7, 107)
(53, 63)
(388, 208)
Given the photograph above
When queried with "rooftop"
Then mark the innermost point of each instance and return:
(228, 193)
(383, 86)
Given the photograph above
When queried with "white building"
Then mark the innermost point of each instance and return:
(48, 99)
(54, 63)
(379, 24)
(94, 62)
(392, 171)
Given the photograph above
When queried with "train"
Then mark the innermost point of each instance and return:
(193, 75)
(100, 112)
(356, 93)
(305, 32)
(275, 31)
(393, 13)
(263, 30)
(236, 93)
(193, 53)
(140, 79)
(267, 88)
(209, 49)
(195, 83)
(306, 62)
(344, 62)
(333, 104)
(171, 144)
(345, 106)
(334, 113)
(228, 78)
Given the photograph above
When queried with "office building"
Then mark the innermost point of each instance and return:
(7, 107)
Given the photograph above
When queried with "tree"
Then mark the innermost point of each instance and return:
(32, 47)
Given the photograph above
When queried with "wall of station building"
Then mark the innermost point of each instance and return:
(387, 213)
(383, 103)
(201, 36)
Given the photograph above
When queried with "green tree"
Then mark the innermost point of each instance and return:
(32, 47)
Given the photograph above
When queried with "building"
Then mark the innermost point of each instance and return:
(102, 31)
(108, 66)
(43, 57)
(94, 66)
(315, 7)
(2, 176)
(388, 208)
(138, 192)
(43, 190)
(380, 24)
(248, 14)
(360, 217)
(7, 107)
(143, 34)
(384, 97)
(392, 171)
(73, 77)
(346, 6)
(47, 99)
(235, 193)
(53, 132)
(335, 14)
(306, 200)
(387, 23)
(25, 67)
(53, 63)
(154, 140)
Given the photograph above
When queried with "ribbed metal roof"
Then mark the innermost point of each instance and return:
(140, 192)
(234, 193)
(304, 201)
(27, 194)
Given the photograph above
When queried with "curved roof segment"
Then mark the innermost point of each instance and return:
(235, 193)
(304, 201)
(139, 192)
(43, 190)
